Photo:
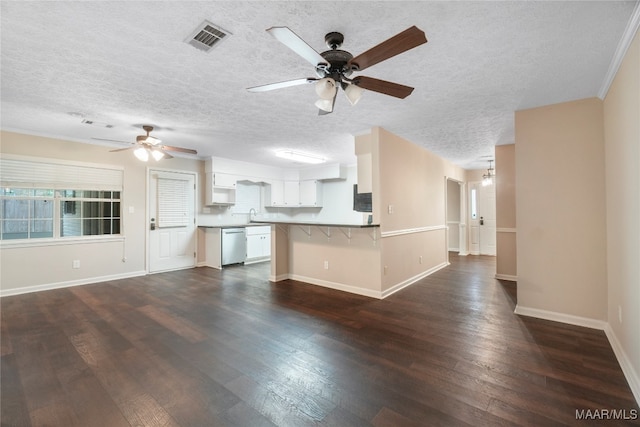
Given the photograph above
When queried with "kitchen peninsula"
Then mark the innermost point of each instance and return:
(338, 256)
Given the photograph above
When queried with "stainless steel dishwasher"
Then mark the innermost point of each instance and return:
(234, 245)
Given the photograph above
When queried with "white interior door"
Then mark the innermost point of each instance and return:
(171, 226)
(487, 211)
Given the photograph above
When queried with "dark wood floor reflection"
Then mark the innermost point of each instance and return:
(204, 347)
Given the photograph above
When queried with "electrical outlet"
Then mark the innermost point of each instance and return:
(390, 209)
(420, 259)
(326, 265)
(620, 314)
(76, 263)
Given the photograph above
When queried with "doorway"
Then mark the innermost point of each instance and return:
(455, 218)
(171, 223)
(482, 218)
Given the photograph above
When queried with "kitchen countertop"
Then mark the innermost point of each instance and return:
(319, 224)
(231, 225)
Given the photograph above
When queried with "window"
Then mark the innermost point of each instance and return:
(26, 213)
(35, 213)
(56, 200)
(474, 203)
(89, 213)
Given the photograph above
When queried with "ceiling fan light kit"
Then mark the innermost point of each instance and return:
(147, 145)
(326, 88)
(334, 66)
(353, 93)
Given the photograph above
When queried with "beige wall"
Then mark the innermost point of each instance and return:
(622, 154)
(413, 182)
(506, 249)
(410, 242)
(51, 266)
(561, 239)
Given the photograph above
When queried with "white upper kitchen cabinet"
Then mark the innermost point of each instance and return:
(310, 193)
(220, 189)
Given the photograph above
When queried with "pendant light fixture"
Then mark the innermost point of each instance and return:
(487, 179)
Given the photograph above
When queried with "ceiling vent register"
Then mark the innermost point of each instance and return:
(207, 36)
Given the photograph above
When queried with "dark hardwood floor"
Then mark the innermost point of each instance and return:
(204, 347)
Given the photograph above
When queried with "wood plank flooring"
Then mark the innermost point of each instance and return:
(203, 347)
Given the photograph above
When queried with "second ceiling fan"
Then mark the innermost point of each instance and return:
(334, 67)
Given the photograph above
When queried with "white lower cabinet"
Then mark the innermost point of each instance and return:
(258, 243)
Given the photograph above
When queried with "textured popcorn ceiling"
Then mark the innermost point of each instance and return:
(127, 64)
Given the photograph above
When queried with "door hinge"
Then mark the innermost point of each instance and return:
(194, 254)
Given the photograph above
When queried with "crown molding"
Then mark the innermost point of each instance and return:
(621, 51)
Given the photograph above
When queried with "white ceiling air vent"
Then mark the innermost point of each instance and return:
(207, 36)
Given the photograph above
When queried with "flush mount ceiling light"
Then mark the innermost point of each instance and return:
(299, 157)
(487, 179)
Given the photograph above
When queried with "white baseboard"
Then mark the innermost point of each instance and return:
(627, 367)
(337, 286)
(68, 284)
(625, 364)
(256, 260)
(506, 277)
(413, 279)
(362, 291)
(278, 278)
(560, 317)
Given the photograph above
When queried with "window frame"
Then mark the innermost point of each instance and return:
(57, 176)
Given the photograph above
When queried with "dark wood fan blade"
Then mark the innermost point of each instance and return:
(383, 86)
(113, 140)
(178, 149)
(408, 39)
(166, 155)
(120, 149)
(290, 39)
(280, 85)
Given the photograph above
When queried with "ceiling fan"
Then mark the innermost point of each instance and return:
(149, 145)
(333, 67)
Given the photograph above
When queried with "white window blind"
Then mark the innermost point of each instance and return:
(49, 173)
(173, 202)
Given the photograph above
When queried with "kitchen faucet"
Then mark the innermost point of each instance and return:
(250, 213)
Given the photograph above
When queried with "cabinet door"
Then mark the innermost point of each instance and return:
(266, 244)
(224, 180)
(254, 246)
(291, 193)
(310, 193)
(274, 195)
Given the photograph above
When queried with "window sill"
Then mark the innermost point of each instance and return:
(10, 244)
